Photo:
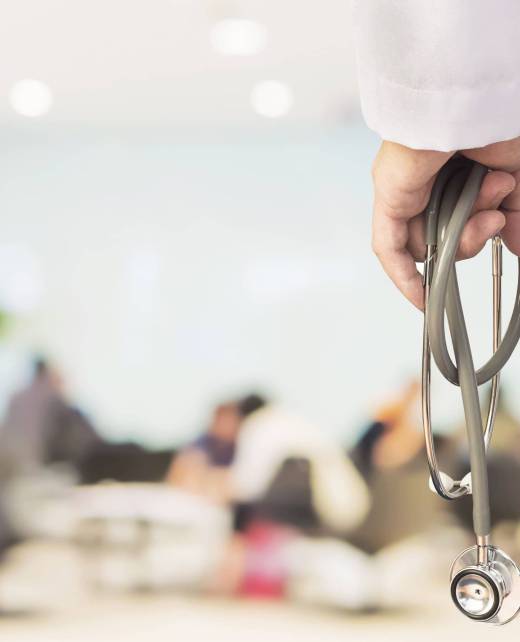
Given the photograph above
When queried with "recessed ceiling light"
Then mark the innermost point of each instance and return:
(238, 37)
(272, 99)
(31, 98)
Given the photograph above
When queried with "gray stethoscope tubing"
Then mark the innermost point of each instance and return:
(451, 202)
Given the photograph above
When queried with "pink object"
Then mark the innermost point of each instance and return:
(265, 561)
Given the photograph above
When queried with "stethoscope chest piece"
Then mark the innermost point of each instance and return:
(487, 592)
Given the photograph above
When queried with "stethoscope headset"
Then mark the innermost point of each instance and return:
(485, 582)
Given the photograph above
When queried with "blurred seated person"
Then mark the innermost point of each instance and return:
(393, 437)
(203, 466)
(41, 426)
(391, 457)
(289, 479)
(278, 451)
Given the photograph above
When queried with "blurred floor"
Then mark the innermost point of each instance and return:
(136, 619)
(67, 612)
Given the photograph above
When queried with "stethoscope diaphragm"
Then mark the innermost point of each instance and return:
(486, 592)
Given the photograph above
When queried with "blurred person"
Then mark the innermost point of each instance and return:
(391, 457)
(203, 466)
(276, 445)
(401, 533)
(289, 481)
(310, 529)
(429, 95)
(41, 426)
(393, 437)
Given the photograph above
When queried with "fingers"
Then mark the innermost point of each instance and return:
(389, 242)
(402, 183)
(481, 227)
(511, 232)
(511, 207)
(416, 238)
(494, 189)
(485, 222)
(512, 201)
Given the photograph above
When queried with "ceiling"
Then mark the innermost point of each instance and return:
(130, 62)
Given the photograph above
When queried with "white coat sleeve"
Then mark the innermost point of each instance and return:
(439, 74)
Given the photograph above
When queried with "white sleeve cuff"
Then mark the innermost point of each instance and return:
(444, 119)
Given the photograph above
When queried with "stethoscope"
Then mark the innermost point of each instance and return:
(485, 582)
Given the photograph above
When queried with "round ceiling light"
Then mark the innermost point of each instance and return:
(238, 37)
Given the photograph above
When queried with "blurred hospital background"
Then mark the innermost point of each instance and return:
(210, 422)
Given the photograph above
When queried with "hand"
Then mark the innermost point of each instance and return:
(403, 179)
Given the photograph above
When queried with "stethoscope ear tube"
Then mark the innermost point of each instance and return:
(451, 204)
